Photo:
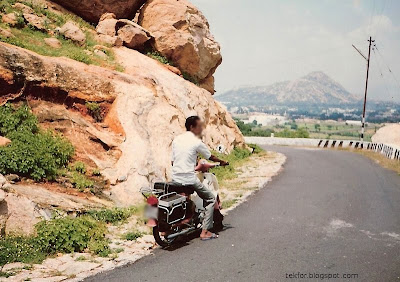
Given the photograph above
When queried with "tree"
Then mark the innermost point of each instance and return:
(317, 127)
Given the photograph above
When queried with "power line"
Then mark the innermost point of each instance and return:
(382, 76)
(387, 65)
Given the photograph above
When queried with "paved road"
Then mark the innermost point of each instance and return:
(328, 212)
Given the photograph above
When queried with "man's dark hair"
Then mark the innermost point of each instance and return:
(191, 122)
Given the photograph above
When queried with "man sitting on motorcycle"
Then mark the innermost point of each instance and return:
(185, 149)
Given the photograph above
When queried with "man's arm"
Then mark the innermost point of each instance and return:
(217, 160)
(205, 152)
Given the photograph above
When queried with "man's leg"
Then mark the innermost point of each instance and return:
(209, 200)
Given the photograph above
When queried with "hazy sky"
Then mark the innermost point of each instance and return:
(265, 41)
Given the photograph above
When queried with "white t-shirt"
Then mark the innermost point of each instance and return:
(185, 148)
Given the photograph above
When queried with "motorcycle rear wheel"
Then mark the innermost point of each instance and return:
(160, 239)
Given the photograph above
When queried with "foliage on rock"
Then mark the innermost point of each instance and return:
(113, 215)
(28, 37)
(20, 249)
(68, 235)
(94, 110)
(235, 159)
(33, 152)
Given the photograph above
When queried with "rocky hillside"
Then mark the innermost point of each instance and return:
(118, 89)
(389, 134)
(314, 88)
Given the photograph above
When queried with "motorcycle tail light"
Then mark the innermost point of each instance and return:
(152, 222)
(152, 201)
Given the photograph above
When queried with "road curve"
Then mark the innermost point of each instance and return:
(328, 212)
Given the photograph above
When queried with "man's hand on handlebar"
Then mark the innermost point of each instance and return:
(223, 163)
(217, 160)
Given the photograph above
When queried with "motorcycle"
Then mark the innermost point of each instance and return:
(176, 210)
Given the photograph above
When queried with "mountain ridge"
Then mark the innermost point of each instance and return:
(313, 88)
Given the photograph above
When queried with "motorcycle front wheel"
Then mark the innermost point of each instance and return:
(160, 239)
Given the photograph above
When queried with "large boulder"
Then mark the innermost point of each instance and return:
(128, 32)
(182, 34)
(72, 32)
(148, 103)
(35, 21)
(10, 19)
(92, 10)
(133, 35)
(22, 215)
(389, 134)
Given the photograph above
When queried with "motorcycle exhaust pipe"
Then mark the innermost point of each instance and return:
(184, 231)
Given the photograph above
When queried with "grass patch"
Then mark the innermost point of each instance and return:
(81, 181)
(154, 54)
(158, 57)
(190, 78)
(33, 153)
(94, 110)
(79, 167)
(133, 236)
(66, 235)
(20, 249)
(256, 149)
(229, 203)
(80, 258)
(236, 158)
(381, 159)
(29, 38)
(113, 215)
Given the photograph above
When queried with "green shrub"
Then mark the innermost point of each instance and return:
(20, 249)
(235, 159)
(68, 235)
(190, 78)
(94, 110)
(20, 21)
(96, 172)
(79, 167)
(133, 236)
(17, 119)
(157, 56)
(256, 149)
(100, 248)
(7, 274)
(299, 133)
(33, 152)
(113, 215)
(250, 129)
(229, 203)
(80, 181)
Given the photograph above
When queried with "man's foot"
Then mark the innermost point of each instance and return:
(207, 235)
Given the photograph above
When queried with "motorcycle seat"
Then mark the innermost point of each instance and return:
(169, 187)
(180, 189)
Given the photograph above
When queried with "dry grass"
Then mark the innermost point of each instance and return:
(250, 175)
(377, 157)
(381, 160)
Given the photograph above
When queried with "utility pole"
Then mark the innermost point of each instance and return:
(366, 87)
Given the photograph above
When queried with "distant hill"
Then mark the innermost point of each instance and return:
(314, 88)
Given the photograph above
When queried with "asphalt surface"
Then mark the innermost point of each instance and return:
(328, 212)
